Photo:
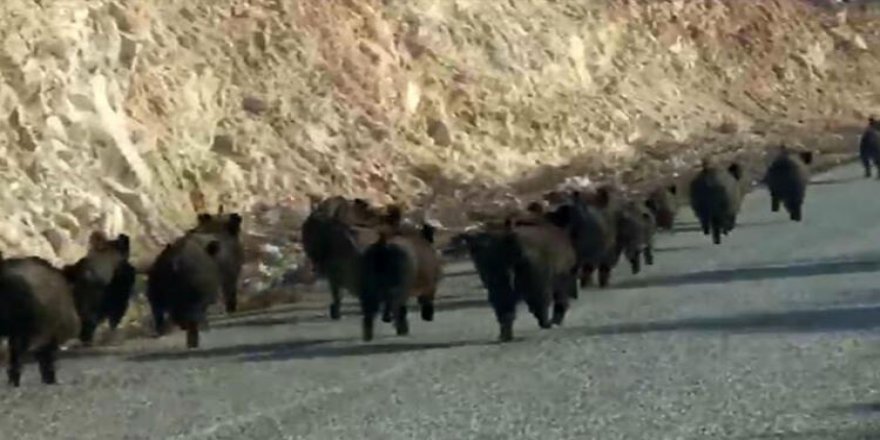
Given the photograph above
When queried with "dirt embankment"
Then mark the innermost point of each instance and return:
(131, 116)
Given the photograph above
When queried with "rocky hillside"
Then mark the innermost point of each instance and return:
(130, 115)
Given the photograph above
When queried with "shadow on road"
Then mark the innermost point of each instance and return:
(677, 248)
(837, 181)
(695, 227)
(793, 270)
(362, 349)
(866, 433)
(232, 350)
(270, 319)
(816, 320)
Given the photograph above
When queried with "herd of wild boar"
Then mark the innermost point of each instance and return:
(541, 256)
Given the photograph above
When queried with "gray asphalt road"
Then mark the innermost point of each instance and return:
(772, 335)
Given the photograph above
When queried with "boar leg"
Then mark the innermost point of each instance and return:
(369, 309)
(230, 295)
(774, 203)
(604, 275)
(336, 305)
(716, 231)
(17, 347)
(46, 360)
(426, 306)
(192, 335)
(503, 300)
(649, 255)
(705, 225)
(586, 276)
(635, 262)
(561, 294)
(157, 307)
(401, 324)
(866, 162)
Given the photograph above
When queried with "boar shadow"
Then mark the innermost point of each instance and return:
(227, 351)
(825, 320)
(361, 350)
(789, 270)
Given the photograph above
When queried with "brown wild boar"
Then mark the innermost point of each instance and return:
(635, 234)
(869, 147)
(663, 203)
(330, 251)
(226, 229)
(787, 179)
(715, 196)
(102, 283)
(37, 314)
(536, 263)
(393, 269)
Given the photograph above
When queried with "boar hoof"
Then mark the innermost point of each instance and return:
(427, 310)
(402, 328)
(192, 337)
(558, 315)
(368, 332)
(335, 312)
(14, 378)
(506, 334)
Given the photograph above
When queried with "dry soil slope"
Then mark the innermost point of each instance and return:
(127, 115)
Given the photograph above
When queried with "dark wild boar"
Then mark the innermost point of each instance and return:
(333, 236)
(715, 196)
(635, 235)
(226, 229)
(535, 263)
(787, 179)
(594, 233)
(102, 283)
(663, 203)
(37, 314)
(869, 147)
(398, 266)
(183, 282)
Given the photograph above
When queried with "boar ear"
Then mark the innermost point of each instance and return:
(650, 204)
(648, 216)
(427, 232)
(561, 216)
(213, 248)
(535, 208)
(69, 272)
(393, 214)
(603, 197)
(807, 157)
(735, 169)
(234, 223)
(97, 240)
(673, 189)
(204, 218)
(123, 244)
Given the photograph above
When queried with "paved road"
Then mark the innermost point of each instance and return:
(772, 335)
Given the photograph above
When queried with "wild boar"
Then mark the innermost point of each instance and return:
(37, 314)
(333, 236)
(226, 229)
(102, 283)
(594, 232)
(715, 197)
(869, 147)
(394, 268)
(635, 234)
(183, 282)
(787, 179)
(663, 203)
(535, 263)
